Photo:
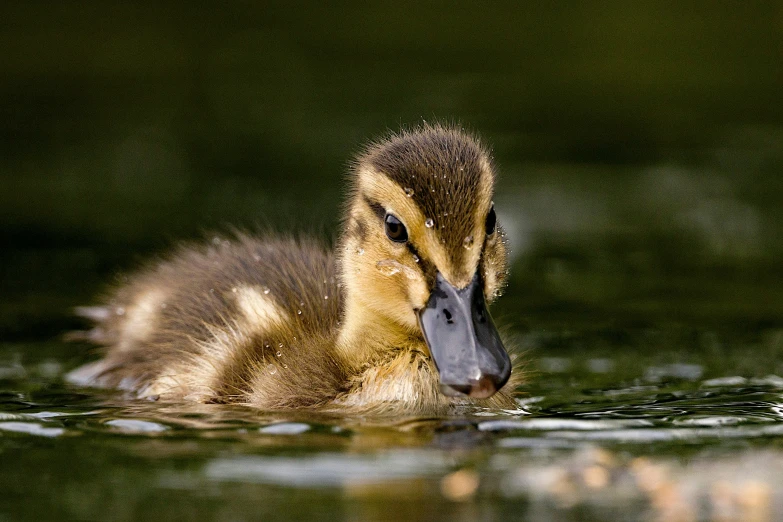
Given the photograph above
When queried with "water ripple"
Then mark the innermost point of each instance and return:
(561, 424)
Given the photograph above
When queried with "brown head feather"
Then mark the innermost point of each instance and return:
(444, 170)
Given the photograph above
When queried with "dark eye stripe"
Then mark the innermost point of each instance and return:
(415, 253)
(376, 207)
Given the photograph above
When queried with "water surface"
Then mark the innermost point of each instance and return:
(660, 430)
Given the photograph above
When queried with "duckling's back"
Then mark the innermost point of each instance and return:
(241, 320)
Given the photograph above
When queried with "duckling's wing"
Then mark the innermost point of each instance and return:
(203, 322)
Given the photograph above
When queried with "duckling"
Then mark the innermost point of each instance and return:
(393, 320)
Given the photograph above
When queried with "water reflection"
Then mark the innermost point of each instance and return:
(326, 470)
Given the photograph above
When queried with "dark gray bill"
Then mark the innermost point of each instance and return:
(463, 340)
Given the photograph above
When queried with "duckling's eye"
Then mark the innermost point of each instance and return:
(491, 221)
(395, 230)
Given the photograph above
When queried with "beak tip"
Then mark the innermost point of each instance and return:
(484, 388)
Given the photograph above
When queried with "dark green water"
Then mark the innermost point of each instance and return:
(676, 425)
(640, 149)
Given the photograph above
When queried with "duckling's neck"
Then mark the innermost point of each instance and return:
(366, 335)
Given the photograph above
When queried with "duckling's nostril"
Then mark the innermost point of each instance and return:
(448, 316)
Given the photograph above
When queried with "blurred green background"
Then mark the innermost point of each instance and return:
(640, 144)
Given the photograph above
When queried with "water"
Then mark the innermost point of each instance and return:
(662, 430)
(639, 152)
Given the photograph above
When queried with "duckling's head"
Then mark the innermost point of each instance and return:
(423, 253)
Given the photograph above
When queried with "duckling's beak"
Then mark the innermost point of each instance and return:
(463, 340)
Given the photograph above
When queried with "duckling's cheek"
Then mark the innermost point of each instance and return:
(490, 283)
(494, 267)
(418, 293)
(407, 280)
(388, 289)
(390, 268)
